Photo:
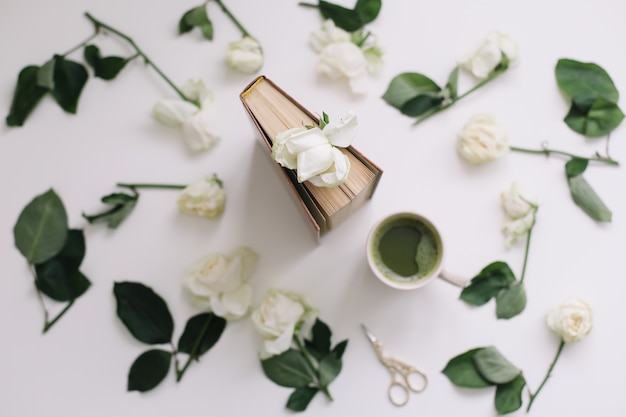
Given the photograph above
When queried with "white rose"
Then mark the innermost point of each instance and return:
(280, 316)
(245, 55)
(571, 319)
(218, 283)
(345, 60)
(205, 197)
(517, 201)
(482, 139)
(490, 54)
(518, 228)
(329, 33)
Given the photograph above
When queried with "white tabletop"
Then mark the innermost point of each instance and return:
(79, 368)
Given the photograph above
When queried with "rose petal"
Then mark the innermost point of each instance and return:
(336, 174)
(342, 133)
(171, 112)
(314, 161)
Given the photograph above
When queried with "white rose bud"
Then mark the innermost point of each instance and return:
(282, 315)
(245, 55)
(490, 54)
(482, 139)
(218, 283)
(517, 201)
(571, 319)
(205, 197)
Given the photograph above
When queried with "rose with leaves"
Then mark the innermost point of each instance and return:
(296, 349)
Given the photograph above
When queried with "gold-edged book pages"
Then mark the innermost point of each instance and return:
(272, 111)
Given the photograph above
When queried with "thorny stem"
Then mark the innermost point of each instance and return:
(545, 379)
(547, 151)
(98, 25)
(160, 186)
(309, 362)
(243, 30)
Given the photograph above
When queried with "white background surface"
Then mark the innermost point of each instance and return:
(79, 368)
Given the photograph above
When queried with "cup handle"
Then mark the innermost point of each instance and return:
(452, 278)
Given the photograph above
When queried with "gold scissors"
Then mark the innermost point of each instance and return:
(402, 375)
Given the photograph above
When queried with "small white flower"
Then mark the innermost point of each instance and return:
(490, 54)
(245, 55)
(482, 139)
(517, 201)
(571, 319)
(200, 125)
(518, 228)
(205, 197)
(280, 316)
(218, 283)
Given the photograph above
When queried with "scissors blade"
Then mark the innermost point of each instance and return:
(369, 334)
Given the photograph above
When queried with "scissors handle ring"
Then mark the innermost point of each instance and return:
(393, 396)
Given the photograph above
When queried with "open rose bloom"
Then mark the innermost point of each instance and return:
(482, 140)
(571, 319)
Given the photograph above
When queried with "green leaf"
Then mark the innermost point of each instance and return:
(143, 312)
(585, 81)
(45, 75)
(301, 397)
(319, 345)
(201, 333)
(453, 83)
(421, 104)
(494, 367)
(461, 371)
(586, 198)
(511, 301)
(407, 86)
(26, 96)
(340, 348)
(488, 283)
(329, 368)
(59, 277)
(575, 166)
(367, 10)
(123, 204)
(41, 228)
(509, 395)
(346, 19)
(148, 370)
(597, 120)
(69, 79)
(106, 68)
(289, 369)
(196, 17)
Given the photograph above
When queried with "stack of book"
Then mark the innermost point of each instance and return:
(273, 111)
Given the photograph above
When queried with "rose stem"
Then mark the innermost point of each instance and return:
(533, 396)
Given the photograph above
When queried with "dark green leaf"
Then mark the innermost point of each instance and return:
(509, 395)
(595, 120)
(453, 83)
(196, 17)
(41, 228)
(462, 372)
(123, 205)
(488, 283)
(511, 301)
(407, 86)
(201, 333)
(148, 370)
(367, 10)
(421, 104)
(319, 345)
(289, 369)
(26, 96)
(585, 81)
(329, 368)
(301, 397)
(575, 166)
(69, 79)
(340, 348)
(106, 68)
(143, 312)
(494, 367)
(45, 75)
(346, 19)
(586, 198)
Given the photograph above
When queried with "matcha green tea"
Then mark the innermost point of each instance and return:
(405, 249)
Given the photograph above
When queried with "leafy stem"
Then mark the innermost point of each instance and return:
(192, 353)
(46, 315)
(144, 185)
(547, 152)
(228, 13)
(309, 362)
(101, 25)
(545, 379)
(311, 5)
(80, 45)
(528, 235)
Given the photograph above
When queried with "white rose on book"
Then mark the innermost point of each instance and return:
(245, 55)
(205, 197)
(497, 48)
(218, 283)
(482, 139)
(280, 316)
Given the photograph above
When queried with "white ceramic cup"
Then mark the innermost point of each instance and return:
(387, 275)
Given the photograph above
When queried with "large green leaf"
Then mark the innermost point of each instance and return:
(582, 80)
(488, 283)
(407, 86)
(421, 104)
(509, 396)
(329, 368)
(368, 10)
(511, 301)
(26, 96)
(319, 345)
(69, 79)
(41, 228)
(148, 370)
(586, 198)
(106, 68)
(346, 19)
(494, 367)
(301, 397)
(143, 312)
(289, 369)
(598, 119)
(461, 371)
(201, 333)
(196, 17)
